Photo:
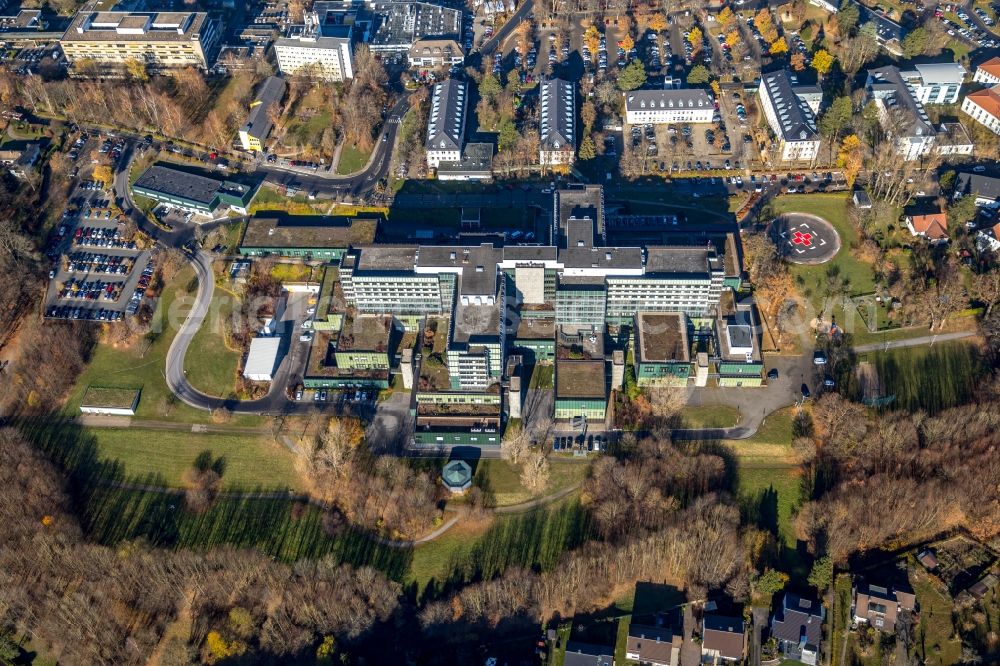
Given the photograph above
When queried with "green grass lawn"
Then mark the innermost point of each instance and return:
(534, 539)
(142, 367)
(352, 159)
(502, 481)
(292, 272)
(249, 461)
(768, 484)
(770, 496)
(210, 365)
(929, 378)
(709, 416)
(934, 639)
(542, 376)
(812, 280)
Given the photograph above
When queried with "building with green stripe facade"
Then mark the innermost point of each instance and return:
(188, 190)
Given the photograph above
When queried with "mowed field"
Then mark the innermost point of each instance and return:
(247, 460)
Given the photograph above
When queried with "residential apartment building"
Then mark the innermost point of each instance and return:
(158, 39)
(984, 107)
(791, 118)
(436, 53)
(660, 107)
(901, 114)
(935, 83)
(988, 72)
(557, 122)
(322, 45)
(446, 122)
(254, 132)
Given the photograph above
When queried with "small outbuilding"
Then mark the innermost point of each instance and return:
(457, 476)
(110, 401)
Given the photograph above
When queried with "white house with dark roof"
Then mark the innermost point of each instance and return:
(659, 107)
(446, 123)
(557, 122)
(901, 114)
(792, 118)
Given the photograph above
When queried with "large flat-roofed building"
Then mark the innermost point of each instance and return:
(312, 237)
(476, 164)
(557, 122)
(163, 39)
(254, 132)
(322, 46)
(446, 123)
(791, 118)
(658, 107)
(400, 24)
(581, 389)
(901, 114)
(662, 351)
(935, 83)
(188, 191)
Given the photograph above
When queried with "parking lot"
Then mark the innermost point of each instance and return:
(98, 272)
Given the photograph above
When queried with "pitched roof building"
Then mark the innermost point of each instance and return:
(587, 654)
(436, 53)
(557, 122)
(258, 125)
(798, 627)
(446, 123)
(790, 116)
(880, 606)
(723, 639)
(932, 226)
(654, 646)
(983, 106)
(688, 105)
(988, 72)
(901, 113)
(985, 187)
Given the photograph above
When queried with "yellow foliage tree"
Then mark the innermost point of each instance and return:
(136, 69)
(219, 649)
(103, 174)
(822, 61)
(778, 47)
(726, 17)
(717, 89)
(850, 158)
(733, 39)
(658, 22)
(627, 43)
(592, 38)
(695, 38)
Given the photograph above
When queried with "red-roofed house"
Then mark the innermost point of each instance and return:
(984, 107)
(932, 226)
(988, 72)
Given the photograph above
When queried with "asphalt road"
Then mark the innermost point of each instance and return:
(292, 363)
(327, 184)
(490, 45)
